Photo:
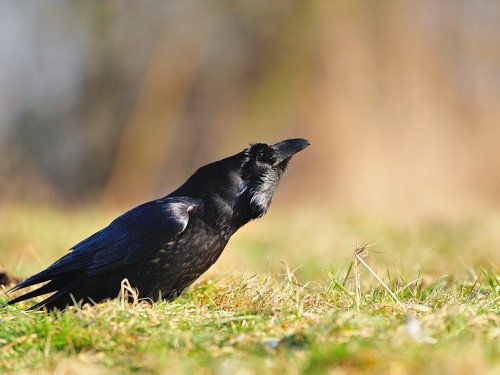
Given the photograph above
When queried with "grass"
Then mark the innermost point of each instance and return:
(435, 309)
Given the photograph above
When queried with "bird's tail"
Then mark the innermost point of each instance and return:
(62, 287)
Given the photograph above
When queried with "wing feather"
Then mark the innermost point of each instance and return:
(128, 239)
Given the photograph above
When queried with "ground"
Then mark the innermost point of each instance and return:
(287, 296)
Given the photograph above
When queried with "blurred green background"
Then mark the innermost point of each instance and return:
(107, 104)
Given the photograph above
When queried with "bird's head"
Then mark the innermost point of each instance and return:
(242, 186)
(261, 170)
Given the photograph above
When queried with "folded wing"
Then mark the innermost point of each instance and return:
(127, 240)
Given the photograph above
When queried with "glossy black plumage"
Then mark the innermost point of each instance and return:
(164, 245)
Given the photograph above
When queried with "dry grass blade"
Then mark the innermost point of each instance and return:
(128, 294)
(359, 254)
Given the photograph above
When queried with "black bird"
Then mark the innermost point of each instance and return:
(164, 245)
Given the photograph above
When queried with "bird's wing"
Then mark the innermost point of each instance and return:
(126, 240)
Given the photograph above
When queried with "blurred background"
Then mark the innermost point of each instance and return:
(107, 104)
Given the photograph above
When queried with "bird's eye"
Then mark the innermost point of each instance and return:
(262, 152)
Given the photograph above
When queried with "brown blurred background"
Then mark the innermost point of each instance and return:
(117, 102)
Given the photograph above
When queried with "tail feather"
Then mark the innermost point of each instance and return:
(63, 295)
(61, 287)
(33, 280)
(51, 286)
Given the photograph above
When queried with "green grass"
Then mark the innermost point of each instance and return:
(441, 317)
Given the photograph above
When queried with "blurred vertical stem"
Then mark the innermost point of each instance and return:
(145, 142)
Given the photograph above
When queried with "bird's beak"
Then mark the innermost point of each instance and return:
(286, 149)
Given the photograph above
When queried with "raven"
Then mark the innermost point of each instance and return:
(163, 246)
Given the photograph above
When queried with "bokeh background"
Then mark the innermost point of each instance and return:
(107, 104)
